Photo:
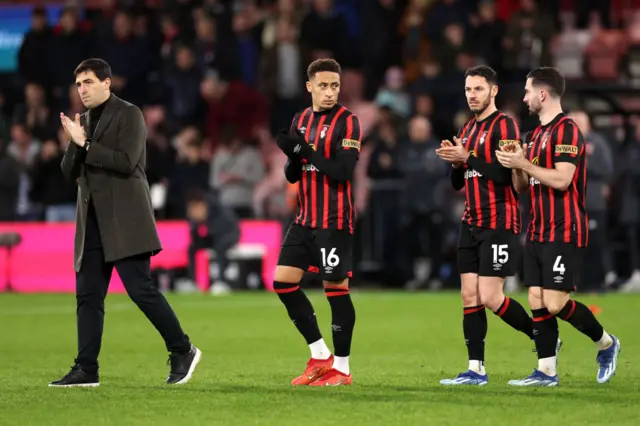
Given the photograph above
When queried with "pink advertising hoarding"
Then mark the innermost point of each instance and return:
(43, 262)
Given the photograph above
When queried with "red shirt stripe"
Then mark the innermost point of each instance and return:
(324, 202)
(558, 215)
(489, 203)
(327, 154)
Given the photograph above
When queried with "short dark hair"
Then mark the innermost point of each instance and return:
(100, 68)
(69, 10)
(39, 11)
(323, 65)
(485, 71)
(195, 195)
(550, 77)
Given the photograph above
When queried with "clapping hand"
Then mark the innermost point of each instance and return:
(512, 156)
(455, 154)
(293, 145)
(73, 129)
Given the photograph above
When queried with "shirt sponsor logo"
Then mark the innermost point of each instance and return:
(470, 174)
(567, 149)
(505, 142)
(351, 143)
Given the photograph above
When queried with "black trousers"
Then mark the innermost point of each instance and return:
(598, 260)
(92, 283)
(632, 232)
(424, 234)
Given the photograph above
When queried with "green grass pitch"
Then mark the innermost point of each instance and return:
(404, 344)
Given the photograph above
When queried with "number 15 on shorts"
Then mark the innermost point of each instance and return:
(500, 253)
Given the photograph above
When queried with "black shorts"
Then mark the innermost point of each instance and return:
(554, 266)
(487, 252)
(325, 251)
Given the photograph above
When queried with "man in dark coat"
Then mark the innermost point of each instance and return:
(115, 226)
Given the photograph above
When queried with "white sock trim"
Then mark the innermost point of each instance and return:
(547, 366)
(341, 363)
(477, 366)
(319, 350)
(605, 341)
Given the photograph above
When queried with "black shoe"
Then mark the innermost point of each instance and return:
(77, 377)
(183, 365)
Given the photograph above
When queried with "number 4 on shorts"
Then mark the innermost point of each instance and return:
(557, 266)
(331, 259)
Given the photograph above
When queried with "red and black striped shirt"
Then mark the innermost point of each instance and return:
(558, 215)
(491, 200)
(325, 194)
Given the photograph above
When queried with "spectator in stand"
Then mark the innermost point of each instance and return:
(629, 211)
(34, 113)
(235, 171)
(35, 50)
(600, 170)
(214, 227)
(10, 171)
(190, 173)
(323, 34)
(72, 43)
(129, 59)
(183, 101)
(232, 103)
(49, 189)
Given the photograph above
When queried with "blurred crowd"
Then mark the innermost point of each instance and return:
(217, 78)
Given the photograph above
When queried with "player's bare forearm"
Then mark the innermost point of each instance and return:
(554, 178)
(520, 180)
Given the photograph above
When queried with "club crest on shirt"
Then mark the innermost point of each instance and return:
(545, 138)
(323, 132)
(351, 143)
(483, 137)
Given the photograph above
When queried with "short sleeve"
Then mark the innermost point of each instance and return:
(568, 144)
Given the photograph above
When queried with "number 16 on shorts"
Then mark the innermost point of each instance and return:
(333, 254)
(329, 259)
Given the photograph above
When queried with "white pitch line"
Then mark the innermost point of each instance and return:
(207, 304)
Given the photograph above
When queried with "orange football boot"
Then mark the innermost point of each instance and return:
(333, 377)
(315, 369)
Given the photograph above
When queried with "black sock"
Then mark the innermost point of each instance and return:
(343, 319)
(474, 327)
(545, 332)
(516, 316)
(581, 317)
(299, 309)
